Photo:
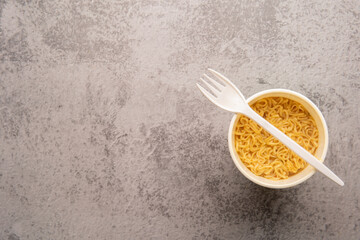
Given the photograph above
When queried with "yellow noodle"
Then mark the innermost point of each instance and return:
(263, 154)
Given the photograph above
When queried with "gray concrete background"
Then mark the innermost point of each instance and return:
(103, 134)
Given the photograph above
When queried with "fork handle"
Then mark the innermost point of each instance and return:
(291, 144)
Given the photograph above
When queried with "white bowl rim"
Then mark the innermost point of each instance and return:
(252, 177)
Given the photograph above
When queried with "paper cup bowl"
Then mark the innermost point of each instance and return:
(320, 152)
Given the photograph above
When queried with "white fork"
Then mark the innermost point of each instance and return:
(227, 96)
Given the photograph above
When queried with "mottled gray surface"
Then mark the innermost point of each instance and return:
(103, 134)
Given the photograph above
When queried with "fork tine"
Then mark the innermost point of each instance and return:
(215, 91)
(226, 81)
(221, 77)
(216, 84)
(207, 94)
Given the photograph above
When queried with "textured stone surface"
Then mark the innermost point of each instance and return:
(103, 134)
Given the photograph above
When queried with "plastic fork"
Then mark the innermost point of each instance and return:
(227, 96)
